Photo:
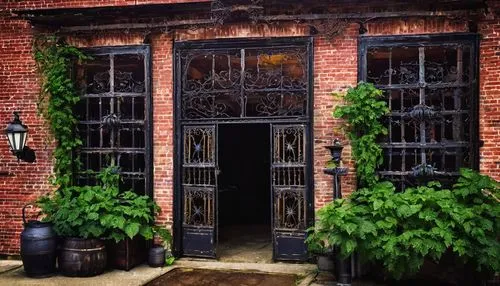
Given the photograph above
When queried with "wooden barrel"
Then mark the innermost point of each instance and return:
(80, 257)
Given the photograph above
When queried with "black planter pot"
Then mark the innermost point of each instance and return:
(325, 262)
(156, 257)
(38, 249)
(80, 257)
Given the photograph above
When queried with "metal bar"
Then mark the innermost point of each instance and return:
(442, 112)
(437, 145)
(242, 84)
(111, 94)
(112, 130)
(421, 63)
(458, 128)
(417, 85)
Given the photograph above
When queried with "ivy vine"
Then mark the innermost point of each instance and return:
(362, 112)
(58, 98)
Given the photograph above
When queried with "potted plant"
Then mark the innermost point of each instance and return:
(160, 254)
(91, 214)
(317, 244)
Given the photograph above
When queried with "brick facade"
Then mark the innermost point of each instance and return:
(335, 68)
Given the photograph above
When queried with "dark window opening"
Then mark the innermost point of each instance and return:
(112, 113)
(430, 85)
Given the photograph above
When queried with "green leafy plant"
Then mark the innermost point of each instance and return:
(362, 112)
(402, 229)
(316, 241)
(102, 211)
(58, 98)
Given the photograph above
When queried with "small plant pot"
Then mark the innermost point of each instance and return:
(325, 262)
(156, 257)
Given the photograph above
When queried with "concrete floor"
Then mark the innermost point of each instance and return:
(14, 273)
(245, 243)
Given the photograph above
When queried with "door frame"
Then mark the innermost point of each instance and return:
(179, 123)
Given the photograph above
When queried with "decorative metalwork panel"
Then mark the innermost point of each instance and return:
(199, 185)
(199, 175)
(247, 82)
(288, 177)
(199, 206)
(430, 88)
(112, 113)
(289, 208)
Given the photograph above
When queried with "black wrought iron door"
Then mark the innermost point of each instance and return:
(199, 182)
(242, 81)
(289, 186)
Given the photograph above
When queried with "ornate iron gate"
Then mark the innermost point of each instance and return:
(289, 185)
(199, 181)
(243, 81)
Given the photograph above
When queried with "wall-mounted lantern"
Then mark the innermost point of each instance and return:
(17, 134)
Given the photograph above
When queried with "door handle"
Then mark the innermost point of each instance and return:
(217, 171)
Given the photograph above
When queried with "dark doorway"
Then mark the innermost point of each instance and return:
(244, 202)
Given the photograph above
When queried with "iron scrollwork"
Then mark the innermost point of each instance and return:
(288, 177)
(244, 83)
(429, 90)
(289, 209)
(199, 206)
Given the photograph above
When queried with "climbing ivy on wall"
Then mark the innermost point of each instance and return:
(58, 97)
(362, 112)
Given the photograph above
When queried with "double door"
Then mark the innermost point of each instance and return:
(288, 189)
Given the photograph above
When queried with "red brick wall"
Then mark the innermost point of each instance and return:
(18, 92)
(489, 86)
(335, 68)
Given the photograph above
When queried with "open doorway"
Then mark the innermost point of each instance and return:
(244, 201)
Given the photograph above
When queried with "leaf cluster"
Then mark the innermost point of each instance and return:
(401, 229)
(362, 113)
(57, 101)
(102, 211)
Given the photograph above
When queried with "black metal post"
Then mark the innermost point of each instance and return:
(343, 266)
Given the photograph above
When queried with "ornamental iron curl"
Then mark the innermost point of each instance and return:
(244, 83)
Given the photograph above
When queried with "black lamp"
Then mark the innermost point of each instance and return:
(17, 133)
(336, 150)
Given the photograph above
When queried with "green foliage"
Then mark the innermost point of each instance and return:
(57, 100)
(363, 110)
(401, 229)
(102, 211)
(316, 240)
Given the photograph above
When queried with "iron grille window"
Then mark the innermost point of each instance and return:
(113, 115)
(430, 86)
(248, 82)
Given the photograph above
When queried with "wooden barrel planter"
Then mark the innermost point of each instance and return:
(80, 257)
